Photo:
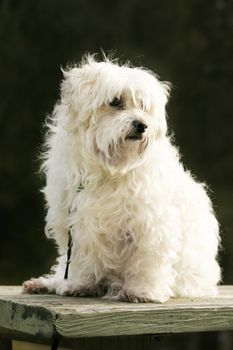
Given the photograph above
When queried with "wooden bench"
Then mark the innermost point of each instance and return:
(93, 322)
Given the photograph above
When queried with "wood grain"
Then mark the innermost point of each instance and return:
(43, 316)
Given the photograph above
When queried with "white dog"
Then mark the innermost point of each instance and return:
(142, 228)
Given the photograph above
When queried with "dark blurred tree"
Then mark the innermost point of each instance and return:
(187, 42)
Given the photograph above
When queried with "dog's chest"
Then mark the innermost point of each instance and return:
(112, 210)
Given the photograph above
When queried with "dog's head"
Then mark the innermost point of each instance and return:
(117, 110)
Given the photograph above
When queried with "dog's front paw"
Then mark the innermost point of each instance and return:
(133, 298)
(74, 289)
(129, 295)
(87, 291)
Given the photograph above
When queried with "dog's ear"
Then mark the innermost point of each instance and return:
(66, 112)
(76, 95)
(70, 86)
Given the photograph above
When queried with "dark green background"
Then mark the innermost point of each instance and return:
(187, 42)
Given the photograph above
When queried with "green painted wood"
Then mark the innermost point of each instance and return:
(42, 316)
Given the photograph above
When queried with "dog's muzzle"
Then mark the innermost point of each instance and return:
(137, 130)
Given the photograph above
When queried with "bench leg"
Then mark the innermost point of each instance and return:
(5, 344)
(55, 343)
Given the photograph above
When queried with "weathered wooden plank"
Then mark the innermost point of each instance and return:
(17, 314)
(45, 315)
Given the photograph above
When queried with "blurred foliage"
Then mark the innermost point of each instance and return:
(189, 43)
(186, 42)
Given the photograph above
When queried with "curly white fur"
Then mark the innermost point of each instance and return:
(142, 226)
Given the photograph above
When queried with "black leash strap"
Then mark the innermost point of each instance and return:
(70, 242)
(68, 256)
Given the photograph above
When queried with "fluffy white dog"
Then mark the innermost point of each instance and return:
(142, 228)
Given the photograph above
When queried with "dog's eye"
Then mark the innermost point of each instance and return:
(116, 102)
(141, 104)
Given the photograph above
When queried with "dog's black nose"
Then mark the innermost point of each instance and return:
(139, 126)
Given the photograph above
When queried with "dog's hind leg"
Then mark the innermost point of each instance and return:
(47, 284)
(39, 285)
